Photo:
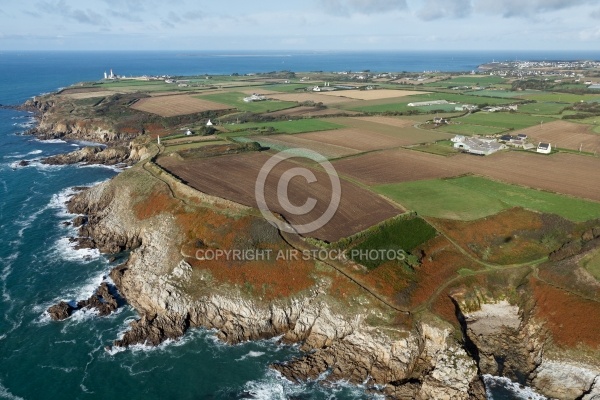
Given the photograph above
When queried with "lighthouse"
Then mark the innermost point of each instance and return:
(105, 75)
(112, 76)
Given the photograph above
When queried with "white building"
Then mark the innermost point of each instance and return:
(478, 146)
(254, 97)
(544, 148)
(428, 103)
(209, 123)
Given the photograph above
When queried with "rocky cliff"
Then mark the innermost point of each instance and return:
(507, 340)
(423, 361)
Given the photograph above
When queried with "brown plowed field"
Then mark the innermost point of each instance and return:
(290, 141)
(561, 173)
(397, 166)
(356, 139)
(234, 177)
(566, 135)
(170, 106)
(387, 126)
(307, 96)
(396, 122)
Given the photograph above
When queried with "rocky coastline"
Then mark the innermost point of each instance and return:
(430, 360)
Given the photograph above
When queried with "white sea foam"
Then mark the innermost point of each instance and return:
(251, 354)
(51, 141)
(518, 391)
(68, 252)
(20, 155)
(6, 394)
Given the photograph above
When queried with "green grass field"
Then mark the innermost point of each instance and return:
(399, 234)
(542, 108)
(500, 93)
(185, 146)
(469, 80)
(236, 100)
(505, 120)
(287, 87)
(473, 197)
(470, 129)
(592, 264)
(395, 105)
(562, 97)
(294, 126)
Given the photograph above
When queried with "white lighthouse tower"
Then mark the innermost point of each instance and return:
(105, 75)
(112, 76)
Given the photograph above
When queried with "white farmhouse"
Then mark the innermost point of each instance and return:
(544, 148)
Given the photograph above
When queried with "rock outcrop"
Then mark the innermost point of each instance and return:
(171, 296)
(506, 341)
(104, 301)
(93, 155)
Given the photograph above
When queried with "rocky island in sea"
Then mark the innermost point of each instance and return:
(497, 271)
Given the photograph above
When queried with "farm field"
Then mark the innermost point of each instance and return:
(170, 106)
(542, 108)
(286, 87)
(472, 197)
(562, 97)
(560, 173)
(283, 142)
(440, 198)
(442, 148)
(565, 135)
(374, 168)
(401, 105)
(373, 94)
(171, 148)
(391, 121)
(236, 100)
(501, 93)
(294, 126)
(508, 120)
(308, 96)
(358, 139)
(470, 129)
(359, 208)
(408, 134)
(469, 80)
(304, 111)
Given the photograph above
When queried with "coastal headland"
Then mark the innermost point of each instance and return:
(439, 265)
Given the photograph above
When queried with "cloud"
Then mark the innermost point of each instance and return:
(88, 16)
(347, 7)
(436, 9)
(520, 8)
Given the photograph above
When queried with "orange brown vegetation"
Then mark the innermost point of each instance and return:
(154, 204)
(507, 237)
(571, 319)
(441, 263)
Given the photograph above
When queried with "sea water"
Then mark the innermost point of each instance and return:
(42, 359)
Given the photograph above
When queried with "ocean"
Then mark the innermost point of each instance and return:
(41, 359)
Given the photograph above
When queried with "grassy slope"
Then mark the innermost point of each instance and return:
(472, 197)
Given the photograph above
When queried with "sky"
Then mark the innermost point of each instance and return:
(300, 25)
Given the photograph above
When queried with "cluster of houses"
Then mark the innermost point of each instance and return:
(486, 146)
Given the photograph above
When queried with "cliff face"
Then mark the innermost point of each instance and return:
(507, 341)
(424, 362)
